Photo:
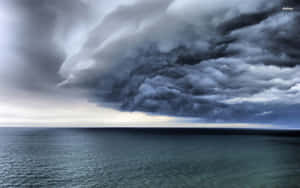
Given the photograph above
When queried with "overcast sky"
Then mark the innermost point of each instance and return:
(150, 62)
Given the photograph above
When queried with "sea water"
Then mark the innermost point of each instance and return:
(140, 159)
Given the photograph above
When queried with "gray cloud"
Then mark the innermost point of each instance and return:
(233, 61)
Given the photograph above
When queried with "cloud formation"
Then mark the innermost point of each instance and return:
(231, 61)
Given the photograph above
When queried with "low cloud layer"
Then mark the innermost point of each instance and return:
(224, 61)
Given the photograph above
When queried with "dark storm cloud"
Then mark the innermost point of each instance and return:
(35, 43)
(225, 63)
(217, 60)
(38, 60)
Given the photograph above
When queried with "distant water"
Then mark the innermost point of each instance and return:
(141, 159)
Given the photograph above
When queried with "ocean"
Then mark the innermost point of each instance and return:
(141, 158)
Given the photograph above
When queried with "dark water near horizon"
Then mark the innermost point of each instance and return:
(141, 159)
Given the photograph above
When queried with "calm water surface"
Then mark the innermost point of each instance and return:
(141, 159)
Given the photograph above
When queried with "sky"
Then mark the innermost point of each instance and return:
(218, 63)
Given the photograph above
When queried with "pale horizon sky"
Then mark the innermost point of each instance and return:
(29, 110)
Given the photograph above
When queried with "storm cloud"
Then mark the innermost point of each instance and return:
(224, 61)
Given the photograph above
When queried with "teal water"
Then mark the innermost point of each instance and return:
(138, 159)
